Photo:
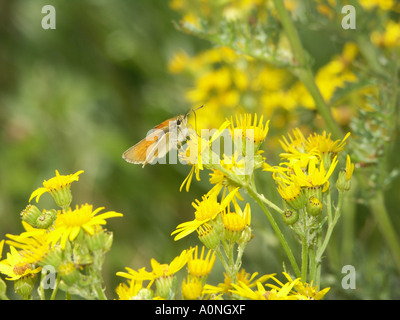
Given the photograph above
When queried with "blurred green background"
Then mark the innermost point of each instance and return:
(75, 98)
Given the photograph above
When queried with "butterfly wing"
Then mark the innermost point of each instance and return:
(156, 145)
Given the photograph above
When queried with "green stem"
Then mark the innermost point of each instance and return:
(313, 267)
(271, 204)
(304, 259)
(54, 293)
(304, 72)
(331, 226)
(275, 226)
(223, 261)
(250, 188)
(380, 214)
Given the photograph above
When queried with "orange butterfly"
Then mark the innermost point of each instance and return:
(161, 139)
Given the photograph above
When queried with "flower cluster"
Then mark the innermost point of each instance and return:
(222, 217)
(68, 242)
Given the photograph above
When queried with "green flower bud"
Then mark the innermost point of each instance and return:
(46, 219)
(208, 236)
(30, 214)
(24, 285)
(166, 287)
(69, 273)
(144, 294)
(62, 196)
(342, 184)
(314, 206)
(245, 236)
(290, 217)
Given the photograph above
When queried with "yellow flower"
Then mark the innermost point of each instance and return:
(192, 288)
(382, 4)
(349, 168)
(126, 292)
(292, 194)
(296, 143)
(206, 210)
(58, 187)
(166, 270)
(244, 277)
(296, 149)
(314, 177)
(197, 152)
(140, 275)
(201, 266)
(242, 290)
(324, 144)
(34, 243)
(390, 38)
(15, 266)
(70, 222)
(281, 292)
(248, 128)
(307, 290)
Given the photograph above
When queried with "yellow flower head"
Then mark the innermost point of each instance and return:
(34, 243)
(192, 288)
(15, 266)
(237, 224)
(126, 292)
(295, 144)
(70, 222)
(307, 290)
(250, 128)
(314, 177)
(166, 270)
(206, 210)
(58, 187)
(291, 192)
(196, 152)
(244, 277)
(201, 266)
(324, 144)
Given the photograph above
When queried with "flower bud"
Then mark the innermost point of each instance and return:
(342, 184)
(245, 236)
(290, 217)
(166, 287)
(46, 219)
(208, 236)
(192, 289)
(69, 273)
(234, 224)
(314, 206)
(144, 294)
(30, 214)
(62, 196)
(24, 286)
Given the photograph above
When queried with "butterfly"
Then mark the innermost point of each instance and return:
(160, 140)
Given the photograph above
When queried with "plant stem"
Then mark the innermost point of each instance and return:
(331, 226)
(304, 259)
(313, 266)
(304, 72)
(54, 293)
(278, 232)
(378, 209)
